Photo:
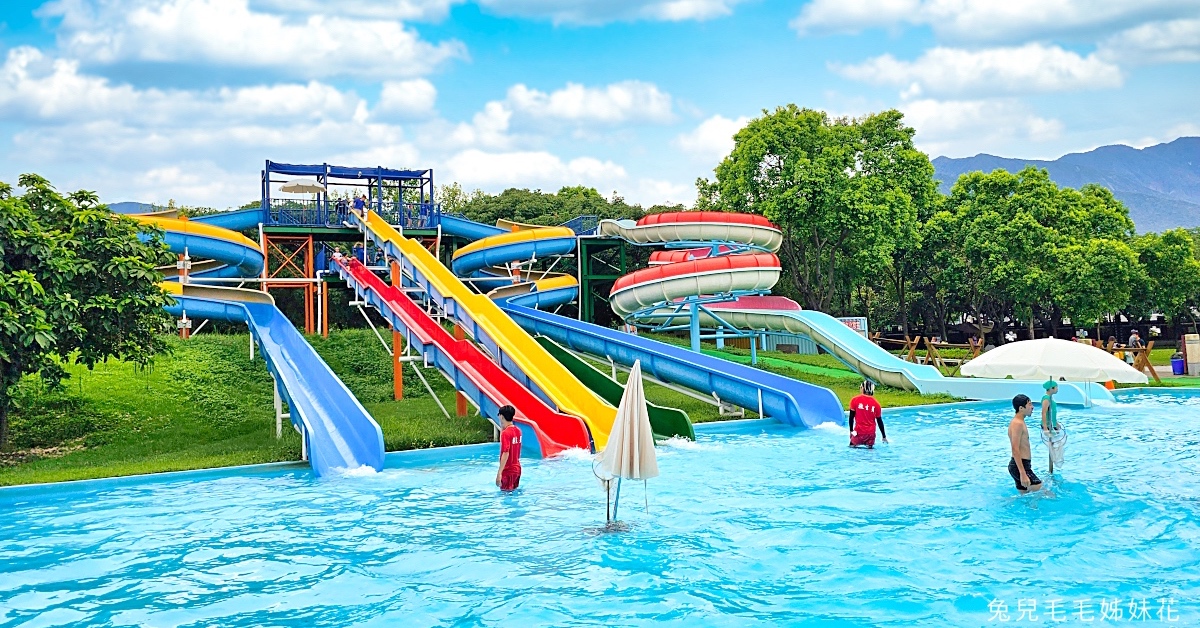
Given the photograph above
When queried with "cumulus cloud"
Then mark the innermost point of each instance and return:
(956, 128)
(1012, 70)
(988, 21)
(627, 101)
(531, 169)
(1175, 41)
(406, 99)
(712, 139)
(602, 11)
(430, 10)
(230, 33)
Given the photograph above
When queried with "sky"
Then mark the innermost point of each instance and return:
(151, 100)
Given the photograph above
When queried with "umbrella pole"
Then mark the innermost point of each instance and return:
(608, 500)
(617, 501)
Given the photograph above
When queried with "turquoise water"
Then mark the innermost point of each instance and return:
(772, 527)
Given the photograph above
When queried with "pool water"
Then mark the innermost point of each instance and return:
(774, 526)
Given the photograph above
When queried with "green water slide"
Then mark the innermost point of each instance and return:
(666, 422)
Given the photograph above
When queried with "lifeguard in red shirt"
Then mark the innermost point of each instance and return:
(865, 412)
(508, 476)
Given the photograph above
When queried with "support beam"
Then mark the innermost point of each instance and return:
(460, 400)
(397, 339)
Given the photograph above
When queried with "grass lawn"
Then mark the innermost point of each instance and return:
(206, 405)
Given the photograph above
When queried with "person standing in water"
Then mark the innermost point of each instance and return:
(1049, 407)
(508, 476)
(1019, 465)
(865, 413)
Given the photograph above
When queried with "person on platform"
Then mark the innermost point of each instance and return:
(360, 203)
(508, 476)
(865, 414)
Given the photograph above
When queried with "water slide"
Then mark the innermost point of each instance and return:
(665, 422)
(650, 293)
(518, 353)
(338, 431)
(785, 399)
(470, 370)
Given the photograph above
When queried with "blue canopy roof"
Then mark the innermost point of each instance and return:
(347, 172)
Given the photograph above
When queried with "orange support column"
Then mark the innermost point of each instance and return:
(310, 319)
(397, 340)
(460, 400)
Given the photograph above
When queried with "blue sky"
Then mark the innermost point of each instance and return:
(157, 99)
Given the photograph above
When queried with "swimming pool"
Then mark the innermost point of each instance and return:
(769, 527)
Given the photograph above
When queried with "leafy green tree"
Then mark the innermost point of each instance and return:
(1172, 275)
(77, 283)
(840, 190)
(1095, 278)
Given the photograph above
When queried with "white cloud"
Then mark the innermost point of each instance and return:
(712, 139)
(230, 33)
(627, 101)
(603, 11)
(406, 99)
(529, 169)
(35, 87)
(1176, 41)
(429, 10)
(986, 20)
(956, 128)
(1023, 69)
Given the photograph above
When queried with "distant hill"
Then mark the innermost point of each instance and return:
(1160, 184)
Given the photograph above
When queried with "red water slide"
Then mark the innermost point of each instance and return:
(556, 432)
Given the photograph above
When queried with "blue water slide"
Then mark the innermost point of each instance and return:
(236, 220)
(469, 229)
(782, 398)
(339, 432)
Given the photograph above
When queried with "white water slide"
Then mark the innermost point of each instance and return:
(683, 273)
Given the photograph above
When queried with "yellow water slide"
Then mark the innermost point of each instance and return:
(550, 376)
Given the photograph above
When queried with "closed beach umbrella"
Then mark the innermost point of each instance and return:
(1051, 358)
(630, 451)
(302, 186)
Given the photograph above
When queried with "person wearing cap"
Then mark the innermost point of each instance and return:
(865, 413)
(508, 476)
(1049, 407)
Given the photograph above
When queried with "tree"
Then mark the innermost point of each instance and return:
(77, 283)
(1171, 282)
(837, 188)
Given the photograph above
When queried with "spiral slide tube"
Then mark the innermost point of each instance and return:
(676, 274)
(338, 431)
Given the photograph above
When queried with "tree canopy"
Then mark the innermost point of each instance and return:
(77, 283)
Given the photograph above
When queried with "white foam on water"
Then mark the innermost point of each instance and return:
(575, 453)
(360, 471)
(679, 442)
(830, 426)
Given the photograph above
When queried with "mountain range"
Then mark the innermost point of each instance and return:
(1159, 184)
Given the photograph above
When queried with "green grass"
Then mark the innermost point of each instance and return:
(205, 405)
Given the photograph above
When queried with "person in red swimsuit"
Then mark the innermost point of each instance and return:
(508, 476)
(865, 413)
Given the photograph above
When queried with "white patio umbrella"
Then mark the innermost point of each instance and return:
(1051, 358)
(302, 186)
(630, 451)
